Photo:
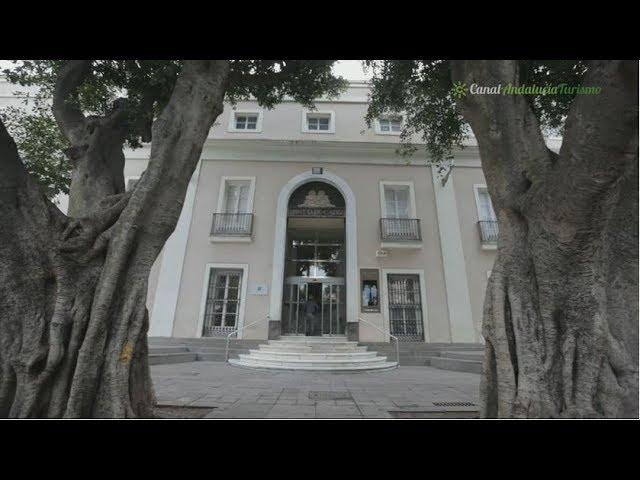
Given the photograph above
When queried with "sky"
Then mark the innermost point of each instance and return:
(349, 69)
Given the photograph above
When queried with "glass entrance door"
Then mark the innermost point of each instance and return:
(314, 306)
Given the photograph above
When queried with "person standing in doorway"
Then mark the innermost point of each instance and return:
(311, 308)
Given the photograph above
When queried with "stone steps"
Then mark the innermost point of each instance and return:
(293, 343)
(421, 354)
(304, 353)
(313, 354)
(314, 339)
(328, 365)
(168, 350)
(313, 348)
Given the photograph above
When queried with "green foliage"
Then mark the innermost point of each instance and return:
(552, 109)
(41, 146)
(422, 90)
(147, 85)
(270, 81)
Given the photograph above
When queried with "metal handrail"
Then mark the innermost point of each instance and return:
(489, 231)
(226, 351)
(232, 224)
(386, 333)
(400, 229)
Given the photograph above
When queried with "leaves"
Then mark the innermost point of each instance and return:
(41, 147)
(422, 91)
(147, 85)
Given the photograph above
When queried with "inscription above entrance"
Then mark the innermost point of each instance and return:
(316, 199)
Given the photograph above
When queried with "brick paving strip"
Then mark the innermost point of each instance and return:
(233, 392)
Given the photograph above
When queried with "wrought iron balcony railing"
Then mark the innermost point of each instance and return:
(488, 231)
(400, 229)
(232, 224)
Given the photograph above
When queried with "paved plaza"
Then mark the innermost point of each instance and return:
(236, 392)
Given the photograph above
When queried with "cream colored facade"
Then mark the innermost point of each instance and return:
(450, 261)
(359, 158)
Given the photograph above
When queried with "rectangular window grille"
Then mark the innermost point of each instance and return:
(223, 302)
(405, 307)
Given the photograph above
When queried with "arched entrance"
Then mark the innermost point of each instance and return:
(347, 280)
(314, 295)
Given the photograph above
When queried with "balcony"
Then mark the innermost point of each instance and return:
(232, 225)
(488, 233)
(400, 230)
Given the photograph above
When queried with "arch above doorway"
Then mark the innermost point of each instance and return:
(279, 245)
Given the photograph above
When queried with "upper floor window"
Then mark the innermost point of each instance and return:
(396, 199)
(318, 122)
(398, 222)
(234, 215)
(245, 121)
(391, 125)
(487, 220)
(236, 195)
(485, 208)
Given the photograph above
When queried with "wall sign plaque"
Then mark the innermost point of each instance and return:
(369, 290)
(258, 289)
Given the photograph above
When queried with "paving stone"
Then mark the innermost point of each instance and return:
(241, 391)
(247, 411)
(287, 411)
(373, 412)
(326, 411)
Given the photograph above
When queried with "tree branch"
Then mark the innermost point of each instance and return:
(601, 134)
(69, 117)
(511, 144)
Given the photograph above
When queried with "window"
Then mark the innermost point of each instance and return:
(487, 220)
(233, 219)
(393, 124)
(405, 307)
(237, 196)
(396, 199)
(485, 208)
(318, 122)
(245, 121)
(222, 307)
(398, 220)
(308, 256)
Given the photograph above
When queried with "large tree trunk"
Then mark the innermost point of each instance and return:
(561, 308)
(73, 321)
